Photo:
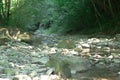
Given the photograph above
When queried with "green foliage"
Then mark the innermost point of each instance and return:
(63, 16)
(72, 15)
(24, 14)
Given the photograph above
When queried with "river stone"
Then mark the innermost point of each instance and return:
(67, 64)
(21, 77)
(85, 45)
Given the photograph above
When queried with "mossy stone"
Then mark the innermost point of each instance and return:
(69, 44)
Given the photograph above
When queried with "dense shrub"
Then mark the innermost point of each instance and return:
(69, 16)
(65, 16)
(26, 13)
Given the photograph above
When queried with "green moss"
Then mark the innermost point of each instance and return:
(61, 66)
(66, 44)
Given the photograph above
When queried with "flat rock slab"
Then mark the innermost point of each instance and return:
(67, 65)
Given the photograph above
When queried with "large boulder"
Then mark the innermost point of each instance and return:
(65, 65)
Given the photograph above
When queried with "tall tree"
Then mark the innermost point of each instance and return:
(5, 10)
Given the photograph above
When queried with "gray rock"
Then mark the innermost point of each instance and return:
(64, 64)
(21, 77)
(85, 45)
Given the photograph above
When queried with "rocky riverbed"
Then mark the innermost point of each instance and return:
(83, 57)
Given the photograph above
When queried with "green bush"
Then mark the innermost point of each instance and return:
(72, 15)
(26, 13)
(65, 16)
